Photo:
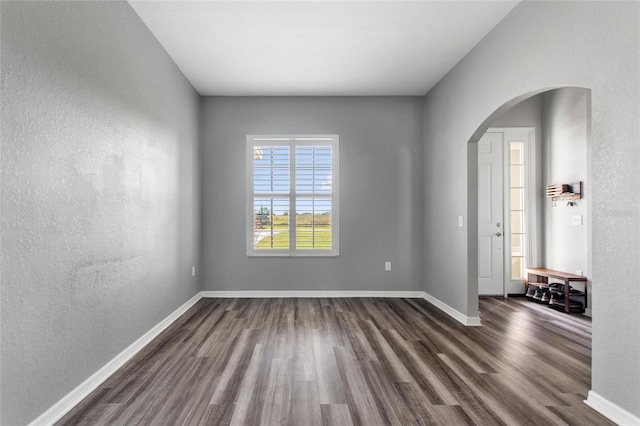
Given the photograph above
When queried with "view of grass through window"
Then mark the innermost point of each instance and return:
(312, 232)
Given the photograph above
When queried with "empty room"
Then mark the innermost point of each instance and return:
(319, 212)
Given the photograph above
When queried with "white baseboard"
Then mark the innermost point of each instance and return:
(610, 410)
(453, 313)
(457, 315)
(62, 407)
(311, 294)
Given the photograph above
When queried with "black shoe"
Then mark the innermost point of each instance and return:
(573, 290)
(556, 288)
(574, 305)
(539, 291)
(545, 296)
(556, 299)
(531, 290)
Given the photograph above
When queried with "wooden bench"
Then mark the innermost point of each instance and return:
(542, 275)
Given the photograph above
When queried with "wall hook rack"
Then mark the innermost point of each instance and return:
(565, 192)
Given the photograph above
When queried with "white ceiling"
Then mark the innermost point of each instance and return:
(318, 48)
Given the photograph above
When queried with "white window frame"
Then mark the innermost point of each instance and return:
(292, 141)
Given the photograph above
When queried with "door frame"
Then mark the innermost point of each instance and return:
(528, 136)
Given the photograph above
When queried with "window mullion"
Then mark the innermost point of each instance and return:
(271, 220)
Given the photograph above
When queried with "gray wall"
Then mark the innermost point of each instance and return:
(565, 161)
(527, 113)
(99, 207)
(539, 46)
(380, 192)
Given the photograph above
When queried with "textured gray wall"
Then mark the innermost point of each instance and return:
(527, 113)
(538, 46)
(380, 195)
(565, 161)
(99, 208)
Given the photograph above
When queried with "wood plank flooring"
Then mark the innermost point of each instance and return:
(353, 362)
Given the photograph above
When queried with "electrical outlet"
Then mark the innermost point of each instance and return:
(193, 271)
(576, 219)
(460, 221)
(387, 266)
(578, 272)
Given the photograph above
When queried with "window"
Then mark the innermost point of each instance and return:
(292, 195)
(517, 208)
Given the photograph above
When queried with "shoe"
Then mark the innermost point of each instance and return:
(559, 302)
(556, 299)
(556, 288)
(545, 296)
(539, 291)
(531, 290)
(559, 288)
(575, 306)
(573, 290)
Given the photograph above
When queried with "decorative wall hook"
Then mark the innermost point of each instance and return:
(562, 192)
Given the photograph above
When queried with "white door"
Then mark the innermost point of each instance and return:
(490, 215)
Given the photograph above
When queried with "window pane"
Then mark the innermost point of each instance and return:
(313, 169)
(271, 223)
(516, 149)
(517, 268)
(271, 169)
(516, 176)
(516, 245)
(313, 223)
(517, 201)
(516, 222)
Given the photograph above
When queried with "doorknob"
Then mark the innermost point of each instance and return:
(498, 234)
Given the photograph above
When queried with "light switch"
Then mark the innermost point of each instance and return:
(460, 221)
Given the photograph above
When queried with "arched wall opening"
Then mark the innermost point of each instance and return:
(562, 152)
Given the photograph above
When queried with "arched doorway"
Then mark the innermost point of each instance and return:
(544, 234)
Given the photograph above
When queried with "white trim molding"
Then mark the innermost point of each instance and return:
(73, 398)
(452, 312)
(610, 410)
(311, 294)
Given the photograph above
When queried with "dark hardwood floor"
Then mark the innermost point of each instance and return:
(353, 361)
